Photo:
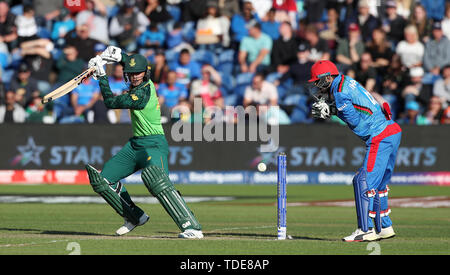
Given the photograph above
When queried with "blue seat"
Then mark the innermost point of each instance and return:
(244, 78)
(225, 68)
(226, 56)
(204, 57)
(227, 83)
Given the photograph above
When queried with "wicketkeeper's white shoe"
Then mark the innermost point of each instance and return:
(128, 226)
(386, 233)
(191, 234)
(361, 236)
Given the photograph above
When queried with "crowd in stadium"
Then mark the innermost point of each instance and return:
(226, 52)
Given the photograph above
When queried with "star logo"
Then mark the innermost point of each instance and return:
(29, 153)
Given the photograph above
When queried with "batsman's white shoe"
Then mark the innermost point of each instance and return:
(128, 226)
(387, 233)
(361, 236)
(191, 234)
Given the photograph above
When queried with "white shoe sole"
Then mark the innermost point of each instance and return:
(126, 230)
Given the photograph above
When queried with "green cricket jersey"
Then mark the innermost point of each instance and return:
(143, 104)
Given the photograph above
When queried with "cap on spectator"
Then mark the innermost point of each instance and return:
(437, 25)
(302, 47)
(353, 27)
(391, 4)
(99, 47)
(23, 67)
(159, 51)
(416, 72)
(412, 105)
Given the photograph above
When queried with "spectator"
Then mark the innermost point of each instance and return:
(8, 29)
(212, 28)
(417, 90)
(254, 50)
(395, 79)
(441, 87)
(446, 21)
(24, 86)
(270, 26)
(156, 11)
(48, 10)
(284, 51)
(437, 52)
(393, 23)
(349, 50)
(160, 69)
(319, 49)
(330, 30)
(423, 24)
(26, 25)
(241, 22)
(84, 97)
(95, 17)
(63, 24)
(69, 65)
(207, 88)
(380, 51)
(37, 54)
(435, 110)
(37, 112)
(79, 38)
(170, 94)
(434, 8)
(186, 69)
(299, 72)
(286, 10)
(260, 92)
(116, 80)
(367, 22)
(11, 112)
(128, 25)
(364, 72)
(411, 50)
(412, 115)
(152, 37)
(348, 14)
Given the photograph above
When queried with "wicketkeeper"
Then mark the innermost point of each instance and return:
(146, 150)
(371, 121)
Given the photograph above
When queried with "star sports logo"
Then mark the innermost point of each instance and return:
(28, 153)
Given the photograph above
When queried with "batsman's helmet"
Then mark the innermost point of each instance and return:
(322, 68)
(136, 64)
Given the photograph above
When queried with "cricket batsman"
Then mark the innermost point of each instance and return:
(343, 96)
(146, 150)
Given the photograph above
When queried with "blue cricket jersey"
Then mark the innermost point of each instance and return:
(358, 108)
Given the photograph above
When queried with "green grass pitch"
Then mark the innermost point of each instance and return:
(245, 225)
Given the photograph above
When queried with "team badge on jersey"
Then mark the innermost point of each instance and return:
(134, 97)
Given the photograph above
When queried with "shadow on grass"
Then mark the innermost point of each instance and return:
(256, 236)
(53, 232)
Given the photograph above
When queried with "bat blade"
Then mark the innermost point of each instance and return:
(67, 87)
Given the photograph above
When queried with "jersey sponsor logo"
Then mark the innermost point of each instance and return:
(342, 107)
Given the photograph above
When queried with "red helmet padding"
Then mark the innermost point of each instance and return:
(322, 67)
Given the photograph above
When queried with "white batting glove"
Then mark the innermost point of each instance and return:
(112, 54)
(97, 63)
(320, 109)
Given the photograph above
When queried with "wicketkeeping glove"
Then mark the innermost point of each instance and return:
(97, 63)
(320, 109)
(112, 54)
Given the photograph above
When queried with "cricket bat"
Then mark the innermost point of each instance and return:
(68, 87)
